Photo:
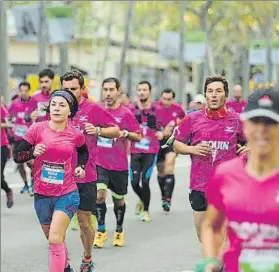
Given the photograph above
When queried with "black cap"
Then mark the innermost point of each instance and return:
(262, 103)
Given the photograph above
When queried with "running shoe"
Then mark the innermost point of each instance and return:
(166, 206)
(74, 223)
(24, 189)
(100, 238)
(145, 217)
(118, 239)
(86, 266)
(139, 208)
(10, 199)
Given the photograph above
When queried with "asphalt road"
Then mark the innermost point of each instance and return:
(166, 244)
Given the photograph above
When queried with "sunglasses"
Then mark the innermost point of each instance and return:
(264, 120)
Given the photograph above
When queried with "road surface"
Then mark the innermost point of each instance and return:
(167, 244)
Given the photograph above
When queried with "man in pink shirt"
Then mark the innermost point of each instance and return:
(112, 162)
(144, 153)
(5, 155)
(244, 193)
(94, 121)
(170, 115)
(237, 103)
(46, 78)
(20, 111)
(214, 134)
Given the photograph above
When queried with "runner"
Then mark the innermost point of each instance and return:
(214, 133)
(5, 155)
(112, 163)
(20, 111)
(53, 145)
(237, 103)
(144, 153)
(252, 222)
(170, 115)
(46, 78)
(94, 121)
(199, 103)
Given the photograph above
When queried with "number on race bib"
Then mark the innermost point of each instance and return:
(144, 144)
(53, 173)
(259, 260)
(104, 142)
(20, 130)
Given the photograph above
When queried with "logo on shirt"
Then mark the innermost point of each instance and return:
(229, 129)
(83, 118)
(255, 234)
(174, 114)
(118, 119)
(216, 146)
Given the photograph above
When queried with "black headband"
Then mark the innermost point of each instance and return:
(64, 94)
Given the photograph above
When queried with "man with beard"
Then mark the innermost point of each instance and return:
(144, 153)
(112, 162)
(46, 78)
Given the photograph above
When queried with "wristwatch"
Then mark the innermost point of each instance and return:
(126, 133)
(98, 131)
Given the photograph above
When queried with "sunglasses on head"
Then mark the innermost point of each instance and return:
(263, 120)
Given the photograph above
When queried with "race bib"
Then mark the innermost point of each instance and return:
(143, 144)
(104, 142)
(20, 130)
(53, 173)
(42, 108)
(259, 260)
(21, 115)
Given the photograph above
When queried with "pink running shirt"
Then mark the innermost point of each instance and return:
(42, 100)
(112, 153)
(18, 110)
(149, 143)
(238, 107)
(92, 113)
(53, 170)
(221, 134)
(4, 115)
(251, 209)
(169, 116)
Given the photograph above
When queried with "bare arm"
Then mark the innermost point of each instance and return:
(182, 148)
(110, 132)
(212, 234)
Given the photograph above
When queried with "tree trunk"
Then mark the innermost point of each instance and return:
(268, 37)
(181, 89)
(4, 67)
(107, 42)
(126, 43)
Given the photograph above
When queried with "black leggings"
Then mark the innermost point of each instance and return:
(4, 158)
(141, 168)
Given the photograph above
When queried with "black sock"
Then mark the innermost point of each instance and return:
(25, 183)
(169, 186)
(162, 181)
(119, 212)
(101, 209)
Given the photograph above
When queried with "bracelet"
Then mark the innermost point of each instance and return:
(98, 131)
(126, 133)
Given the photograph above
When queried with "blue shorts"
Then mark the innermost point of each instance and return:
(46, 205)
